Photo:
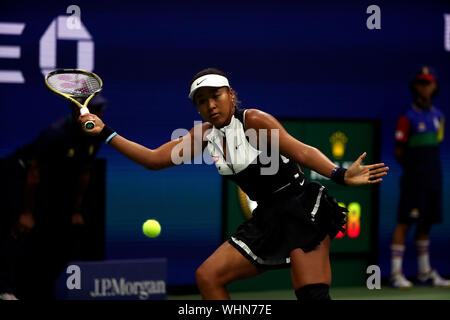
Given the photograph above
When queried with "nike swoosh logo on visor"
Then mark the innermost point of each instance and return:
(198, 83)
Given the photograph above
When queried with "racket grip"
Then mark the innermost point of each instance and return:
(88, 124)
(84, 110)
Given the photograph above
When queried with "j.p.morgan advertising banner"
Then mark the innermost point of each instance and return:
(113, 280)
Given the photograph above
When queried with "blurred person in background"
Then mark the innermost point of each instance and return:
(42, 221)
(417, 138)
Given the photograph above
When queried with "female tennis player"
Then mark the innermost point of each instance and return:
(295, 219)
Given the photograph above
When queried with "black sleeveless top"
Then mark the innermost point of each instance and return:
(256, 172)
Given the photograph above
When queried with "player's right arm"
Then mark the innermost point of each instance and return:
(160, 158)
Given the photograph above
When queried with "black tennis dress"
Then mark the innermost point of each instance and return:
(291, 213)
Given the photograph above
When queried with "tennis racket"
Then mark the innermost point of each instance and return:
(75, 84)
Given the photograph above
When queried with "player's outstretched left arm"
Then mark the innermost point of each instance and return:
(311, 157)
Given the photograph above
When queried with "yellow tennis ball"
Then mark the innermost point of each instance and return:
(151, 228)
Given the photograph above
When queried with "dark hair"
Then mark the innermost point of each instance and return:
(213, 71)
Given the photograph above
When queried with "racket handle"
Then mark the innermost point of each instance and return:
(88, 124)
(84, 110)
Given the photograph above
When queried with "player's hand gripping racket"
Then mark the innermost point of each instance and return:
(75, 84)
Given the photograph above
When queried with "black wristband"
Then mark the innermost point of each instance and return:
(337, 175)
(106, 134)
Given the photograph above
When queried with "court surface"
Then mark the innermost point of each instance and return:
(341, 293)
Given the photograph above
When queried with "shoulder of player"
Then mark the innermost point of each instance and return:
(206, 126)
(203, 127)
(257, 119)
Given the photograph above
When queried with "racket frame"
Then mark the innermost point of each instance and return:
(83, 107)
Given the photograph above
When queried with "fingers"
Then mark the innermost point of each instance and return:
(379, 175)
(98, 124)
(380, 170)
(368, 174)
(375, 181)
(375, 166)
(86, 117)
(361, 157)
(376, 176)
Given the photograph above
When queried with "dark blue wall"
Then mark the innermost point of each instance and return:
(315, 59)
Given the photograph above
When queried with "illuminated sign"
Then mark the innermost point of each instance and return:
(338, 141)
(11, 52)
(61, 28)
(353, 226)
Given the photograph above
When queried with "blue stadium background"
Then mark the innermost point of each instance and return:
(312, 59)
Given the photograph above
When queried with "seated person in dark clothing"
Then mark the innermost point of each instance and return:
(44, 186)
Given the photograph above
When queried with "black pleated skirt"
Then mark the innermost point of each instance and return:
(298, 217)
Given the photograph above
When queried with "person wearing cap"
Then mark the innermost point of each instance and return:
(417, 138)
(44, 186)
(295, 219)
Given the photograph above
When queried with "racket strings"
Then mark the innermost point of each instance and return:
(74, 84)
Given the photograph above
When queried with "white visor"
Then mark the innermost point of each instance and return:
(209, 80)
